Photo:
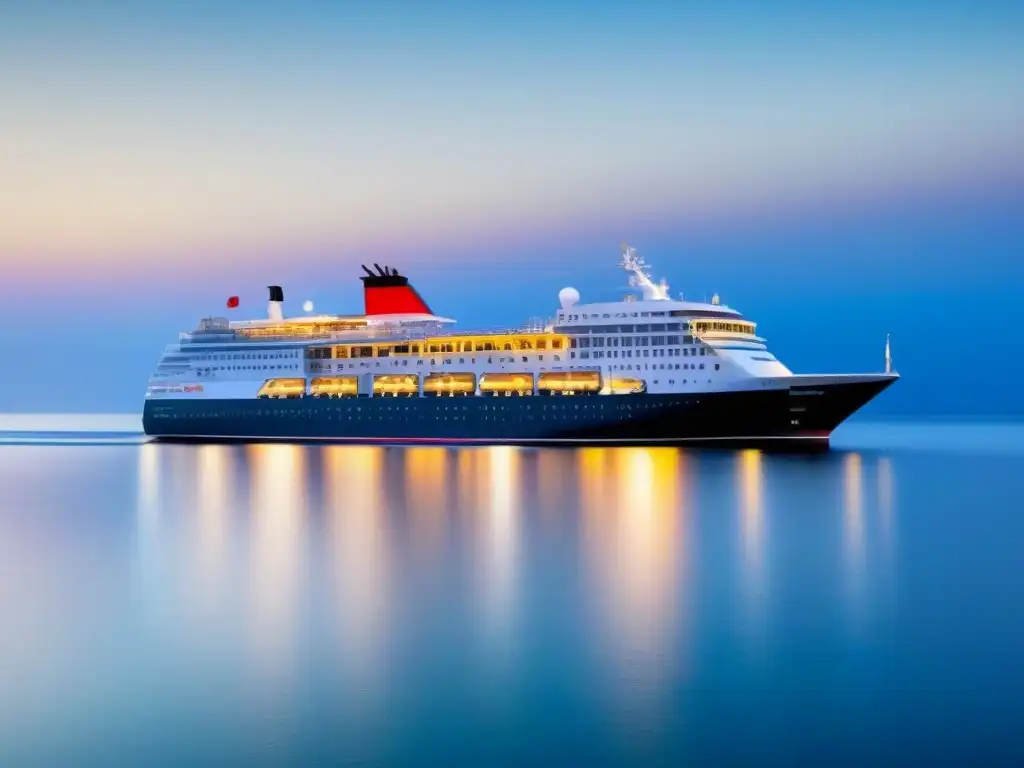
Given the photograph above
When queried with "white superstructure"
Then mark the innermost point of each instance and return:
(672, 346)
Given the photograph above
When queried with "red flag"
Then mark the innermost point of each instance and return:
(232, 302)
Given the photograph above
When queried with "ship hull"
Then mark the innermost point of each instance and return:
(805, 415)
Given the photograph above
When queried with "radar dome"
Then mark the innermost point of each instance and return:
(568, 296)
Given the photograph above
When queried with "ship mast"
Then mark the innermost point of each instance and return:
(640, 275)
(888, 355)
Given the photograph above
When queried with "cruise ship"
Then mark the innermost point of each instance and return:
(649, 369)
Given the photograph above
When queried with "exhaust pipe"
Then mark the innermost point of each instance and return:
(275, 307)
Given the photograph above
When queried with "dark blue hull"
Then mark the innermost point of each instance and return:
(800, 413)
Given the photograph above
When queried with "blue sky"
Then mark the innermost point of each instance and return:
(835, 173)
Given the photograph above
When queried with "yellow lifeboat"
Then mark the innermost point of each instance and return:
(282, 388)
(569, 383)
(506, 384)
(449, 384)
(334, 386)
(390, 385)
(627, 386)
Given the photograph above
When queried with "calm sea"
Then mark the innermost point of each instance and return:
(268, 604)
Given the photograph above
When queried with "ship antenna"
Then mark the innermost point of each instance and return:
(367, 270)
(640, 276)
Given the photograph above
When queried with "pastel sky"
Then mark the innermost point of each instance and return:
(819, 164)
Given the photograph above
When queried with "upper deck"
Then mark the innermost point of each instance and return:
(342, 331)
(396, 313)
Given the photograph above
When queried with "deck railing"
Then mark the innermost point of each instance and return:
(381, 334)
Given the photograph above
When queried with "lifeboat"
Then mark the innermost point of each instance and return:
(282, 389)
(449, 384)
(506, 384)
(334, 386)
(627, 386)
(569, 383)
(390, 385)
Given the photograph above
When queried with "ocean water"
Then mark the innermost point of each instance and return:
(268, 604)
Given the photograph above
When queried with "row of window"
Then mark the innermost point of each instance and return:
(352, 366)
(564, 317)
(662, 366)
(703, 326)
(586, 354)
(641, 328)
(586, 342)
(283, 354)
(210, 370)
(495, 343)
(432, 361)
(623, 408)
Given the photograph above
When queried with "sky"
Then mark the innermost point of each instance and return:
(835, 171)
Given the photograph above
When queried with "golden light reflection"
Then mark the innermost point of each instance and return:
(751, 493)
(278, 508)
(751, 505)
(502, 466)
(426, 487)
(554, 477)
(467, 474)
(648, 509)
(853, 505)
(631, 533)
(215, 473)
(147, 513)
(853, 528)
(886, 481)
(592, 476)
(149, 489)
(353, 499)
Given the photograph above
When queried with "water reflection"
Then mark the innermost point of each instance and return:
(147, 518)
(750, 481)
(885, 477)
(886, 491)
(853, 533)
(380, 562)
(632, 520)
(211, 527)
(426, 486)
(148, 501)
(277, 551)
(360, 558)
(499, 492)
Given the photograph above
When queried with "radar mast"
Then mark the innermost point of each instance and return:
(640, 276)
